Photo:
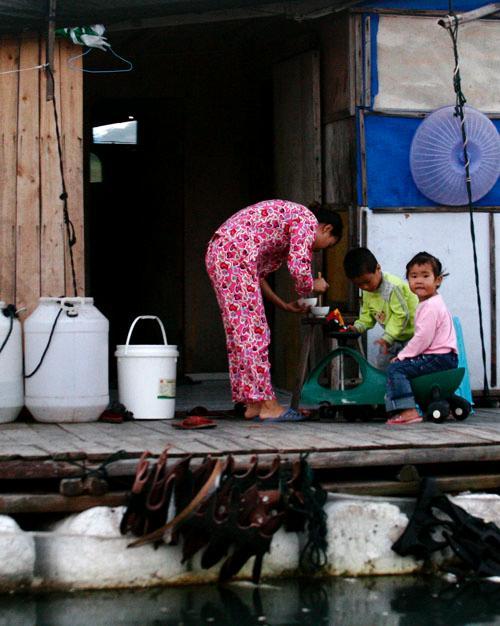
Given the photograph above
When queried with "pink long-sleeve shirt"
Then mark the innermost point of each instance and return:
(270, 232)
(434, 330)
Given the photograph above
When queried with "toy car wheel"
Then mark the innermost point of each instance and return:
(437, 411)
(327, 411)
(460, 408)
(350, 413)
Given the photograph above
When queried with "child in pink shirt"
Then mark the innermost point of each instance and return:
(432, 348)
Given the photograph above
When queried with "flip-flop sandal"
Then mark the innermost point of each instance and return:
(399, 420)
(290, 415)
(195, 422)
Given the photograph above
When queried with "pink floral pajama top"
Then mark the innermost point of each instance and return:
(250, 245)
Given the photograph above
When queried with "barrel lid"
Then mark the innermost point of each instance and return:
(46, 299)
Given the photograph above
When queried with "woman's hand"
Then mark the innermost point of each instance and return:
(320, 285)
(295, 307)
(292, 307)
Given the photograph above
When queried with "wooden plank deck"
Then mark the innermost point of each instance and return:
(357, 458)
(330, 444)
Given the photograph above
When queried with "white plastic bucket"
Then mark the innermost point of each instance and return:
(147, 376)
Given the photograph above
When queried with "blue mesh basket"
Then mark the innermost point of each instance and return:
(437, 157)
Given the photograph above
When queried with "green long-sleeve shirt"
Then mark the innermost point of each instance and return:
(393, 306)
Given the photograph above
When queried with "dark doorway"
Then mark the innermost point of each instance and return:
(134, 218)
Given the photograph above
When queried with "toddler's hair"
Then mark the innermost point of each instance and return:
(424, 257)
(325, 214)
(359, 261)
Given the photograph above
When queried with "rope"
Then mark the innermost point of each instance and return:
(100, 471)
(24, 69)
(313, 556)
(459, 112)
(70, 229)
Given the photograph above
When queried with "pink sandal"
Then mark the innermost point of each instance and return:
(399, 419)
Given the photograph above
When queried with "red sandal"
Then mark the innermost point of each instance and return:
(195, 422)
(400, 420)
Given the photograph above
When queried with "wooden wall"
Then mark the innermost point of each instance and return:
(34, 256)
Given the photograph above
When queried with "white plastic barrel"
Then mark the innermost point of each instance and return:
(11, 368)
(71, 384)
(147, 376)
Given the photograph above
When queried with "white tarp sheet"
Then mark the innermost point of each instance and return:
(415, 64)
(394, 238)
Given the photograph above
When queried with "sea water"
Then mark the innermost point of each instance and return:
(394, 601)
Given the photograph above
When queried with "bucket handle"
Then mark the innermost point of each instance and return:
(146, 317)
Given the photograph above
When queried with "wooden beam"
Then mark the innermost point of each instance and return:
(308, 10)
(15, 503)
(447, 484)
(328, 9)
(406, 456)
(38, 470)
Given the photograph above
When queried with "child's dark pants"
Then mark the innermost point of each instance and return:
(399, 394)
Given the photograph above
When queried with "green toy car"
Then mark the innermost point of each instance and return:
(434, 393)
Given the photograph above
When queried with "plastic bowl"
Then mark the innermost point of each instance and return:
(308, 301)
(320, 311)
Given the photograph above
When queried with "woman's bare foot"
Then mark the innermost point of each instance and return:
(271, 408)
(252, 410)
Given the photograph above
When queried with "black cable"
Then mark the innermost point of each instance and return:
(459, 112)
(46, 347)
(9, 311)
(70, 229)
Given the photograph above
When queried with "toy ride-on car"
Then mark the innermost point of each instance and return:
(434, 393)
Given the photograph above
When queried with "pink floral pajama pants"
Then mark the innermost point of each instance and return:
(238, 292)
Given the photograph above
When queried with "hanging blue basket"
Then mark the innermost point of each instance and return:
(437, 156)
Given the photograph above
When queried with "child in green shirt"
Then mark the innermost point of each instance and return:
(387, 300)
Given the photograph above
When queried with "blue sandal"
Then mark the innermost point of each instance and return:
(290, 415)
